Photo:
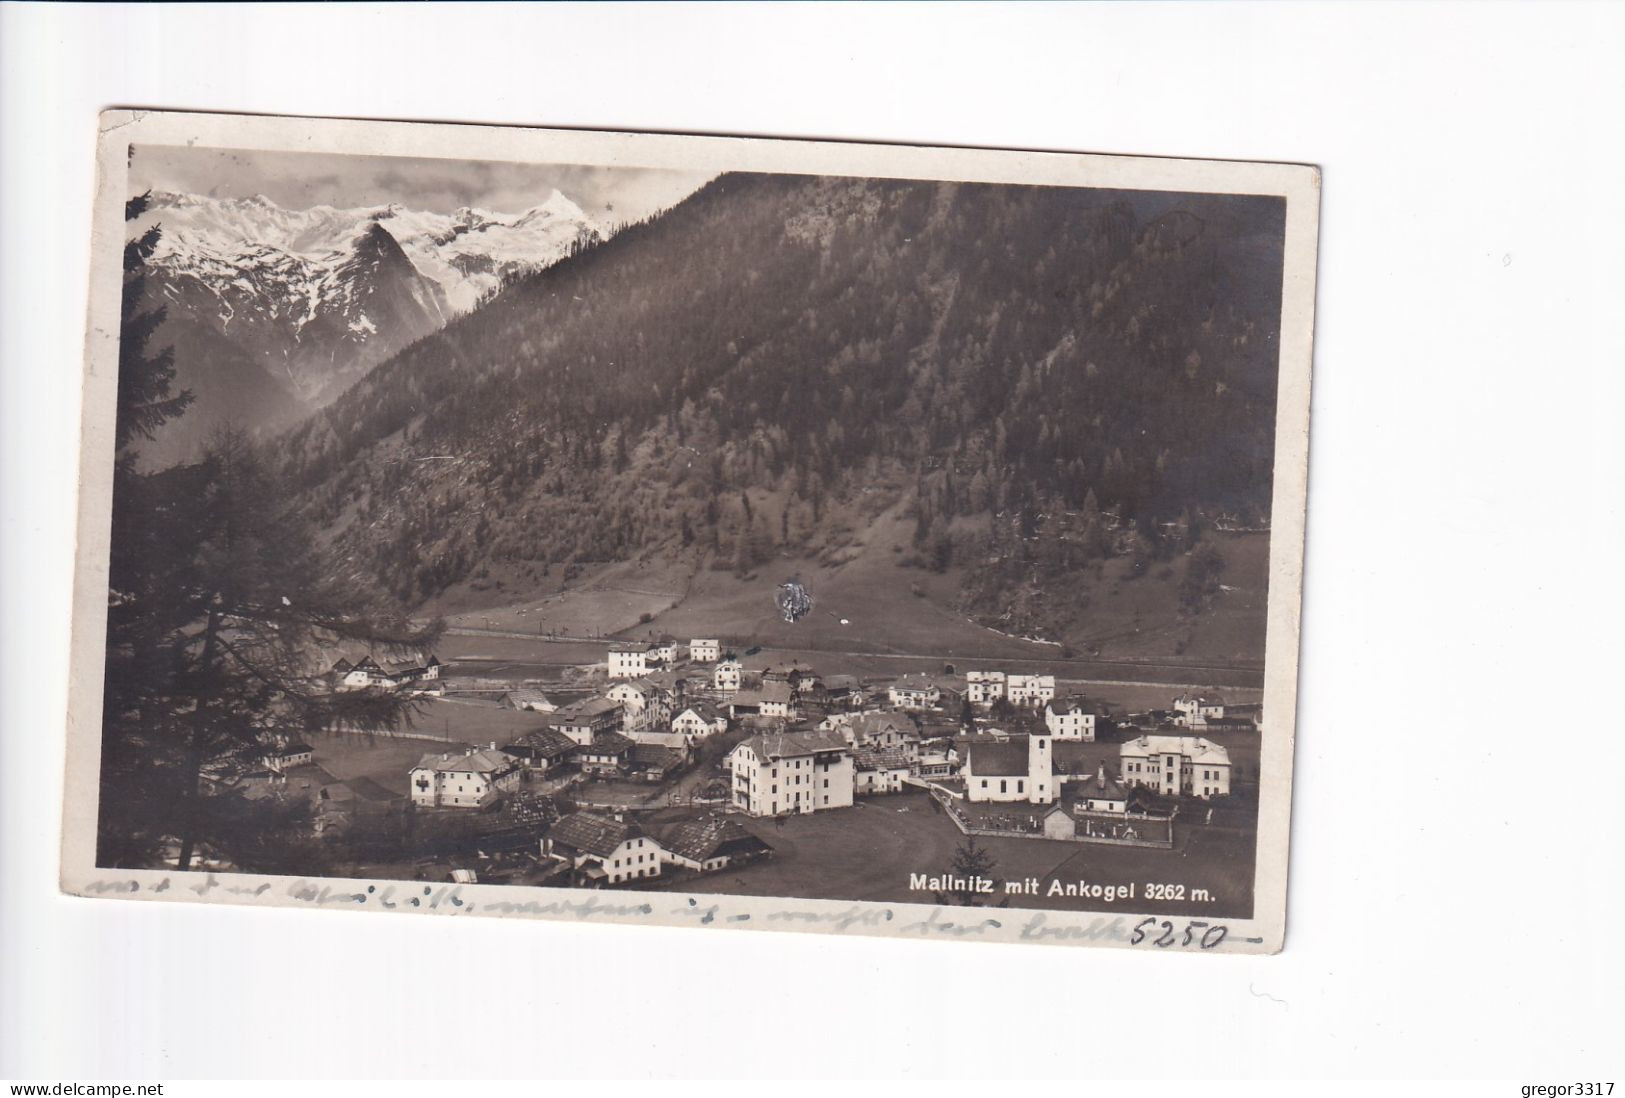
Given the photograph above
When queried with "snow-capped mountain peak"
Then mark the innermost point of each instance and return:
(303, 303)
(467, 252)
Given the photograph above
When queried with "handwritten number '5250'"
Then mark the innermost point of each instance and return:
(1211, 937)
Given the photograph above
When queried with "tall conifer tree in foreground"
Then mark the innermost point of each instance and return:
(220, 610)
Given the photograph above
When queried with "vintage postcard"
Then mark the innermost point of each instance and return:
(691, 531)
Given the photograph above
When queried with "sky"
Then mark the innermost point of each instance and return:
(299, 180)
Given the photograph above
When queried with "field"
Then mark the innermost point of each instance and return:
(868, 603)
(868, 852)
(373, 763)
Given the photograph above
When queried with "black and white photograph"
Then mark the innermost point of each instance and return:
(1064, 544)
(780, 535)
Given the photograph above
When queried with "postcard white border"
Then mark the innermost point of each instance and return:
(1298, 184)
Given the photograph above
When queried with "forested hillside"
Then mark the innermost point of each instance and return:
(1038, 377)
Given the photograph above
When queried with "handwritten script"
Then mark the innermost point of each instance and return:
(861, 918)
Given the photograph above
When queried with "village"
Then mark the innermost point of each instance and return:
(671, 761)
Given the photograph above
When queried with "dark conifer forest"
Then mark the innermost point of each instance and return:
(1036, 376)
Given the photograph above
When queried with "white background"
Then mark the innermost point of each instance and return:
(1455, 898)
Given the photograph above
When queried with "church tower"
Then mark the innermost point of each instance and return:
(1040, 769)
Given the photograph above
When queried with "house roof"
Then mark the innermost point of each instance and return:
(654, 756)
(483, 761)
(1100, 786)
(528, 695)
(993, 759)
(882, 760)
(1077, 703)
(781, 745)
(702, 839)
(591, 833)
(611, 743)
(703, 710)
(586, 709)
(778, 692)
(916, 682)
(546, 742)
(794, 667)
(296, 748)
(865, 725)
(529, 810)
(1197, 749)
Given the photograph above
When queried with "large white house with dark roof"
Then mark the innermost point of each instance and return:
(725, 676)
(472, 779)
(873, 731)
(915, 692)
(1177, 764)
(633, 661)
(1033, 690)
(642, 704)
(698, 721)
(984, 687)
(368, 672)
(585, 719)
(1073, 718)
(782, 772)
(605, 849)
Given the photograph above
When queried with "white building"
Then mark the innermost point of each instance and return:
(984, 687)
(1194, 711)
(1071, 719)
(1101, 793)
(783, 772)
(915, 692)
(725, 675)
(880, 771)
(1177, 764)
(633, 661)
(873, 731)
(641, 703)
(471, 780)
(1021, 768)
(713, 843)
(704, 651)
(605, 849)
(697, 722)
(1033, 690)
(584, 720)
(290, 755)
(368, 672)
(774, 699)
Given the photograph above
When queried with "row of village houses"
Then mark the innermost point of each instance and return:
(846, 755)
(646, 728)
(775, 773)
(648, 673)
